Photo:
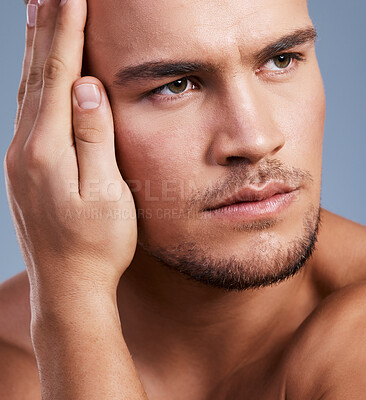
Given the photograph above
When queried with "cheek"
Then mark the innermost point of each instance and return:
(302, 120)
(303, 126)
(157, 153)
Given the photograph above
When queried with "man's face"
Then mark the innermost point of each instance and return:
(235, 114)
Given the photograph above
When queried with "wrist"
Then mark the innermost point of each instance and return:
(63, 309)
(69, 290)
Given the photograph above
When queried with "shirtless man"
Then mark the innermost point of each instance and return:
(238, 284)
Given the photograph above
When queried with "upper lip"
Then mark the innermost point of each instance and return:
(251, 193)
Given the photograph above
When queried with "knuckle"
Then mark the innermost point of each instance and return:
(10, 161)
(43, 23)
(61, 25)
(21, 93)
(34, 81)
(34, 156)
(54, 70)
(89, 134)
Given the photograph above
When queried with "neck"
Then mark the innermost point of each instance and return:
(168, 319)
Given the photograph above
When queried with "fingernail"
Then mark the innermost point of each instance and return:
(62, 2)
(31, 14)
(40, 2)
(88, 96)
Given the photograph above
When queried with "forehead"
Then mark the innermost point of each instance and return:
(126, 32)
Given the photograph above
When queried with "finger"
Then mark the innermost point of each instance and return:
(94, 135)
(62, 69)
(29, 35)
(43, 36)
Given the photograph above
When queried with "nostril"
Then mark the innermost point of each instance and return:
(237, 160)
(277, 149)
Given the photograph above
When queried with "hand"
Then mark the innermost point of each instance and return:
(74, 215)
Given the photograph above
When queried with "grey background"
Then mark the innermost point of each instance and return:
(342, 57)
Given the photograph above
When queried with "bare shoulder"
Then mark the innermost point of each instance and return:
(18, 367)
(15, 312)
(326, 359)
(340, 257)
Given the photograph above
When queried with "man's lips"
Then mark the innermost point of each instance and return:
(253, 194)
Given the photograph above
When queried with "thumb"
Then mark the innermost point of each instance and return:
(94, 134)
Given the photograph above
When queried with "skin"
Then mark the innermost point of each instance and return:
(158, 334)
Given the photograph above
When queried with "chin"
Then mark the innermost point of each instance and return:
(272, 252)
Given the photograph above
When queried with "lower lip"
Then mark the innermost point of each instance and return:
(255, 209)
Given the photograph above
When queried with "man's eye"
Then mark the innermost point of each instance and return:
(174, 88)
(281, 62)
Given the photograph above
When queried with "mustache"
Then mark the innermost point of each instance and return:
(242, 174)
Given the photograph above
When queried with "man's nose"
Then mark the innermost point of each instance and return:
(245, 125)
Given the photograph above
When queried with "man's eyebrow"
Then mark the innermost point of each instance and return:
(162, 69)
(158, 70)
(296, 38)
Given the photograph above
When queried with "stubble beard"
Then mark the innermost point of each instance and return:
(266, 266)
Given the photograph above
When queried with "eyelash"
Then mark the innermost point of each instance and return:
(154, 94)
